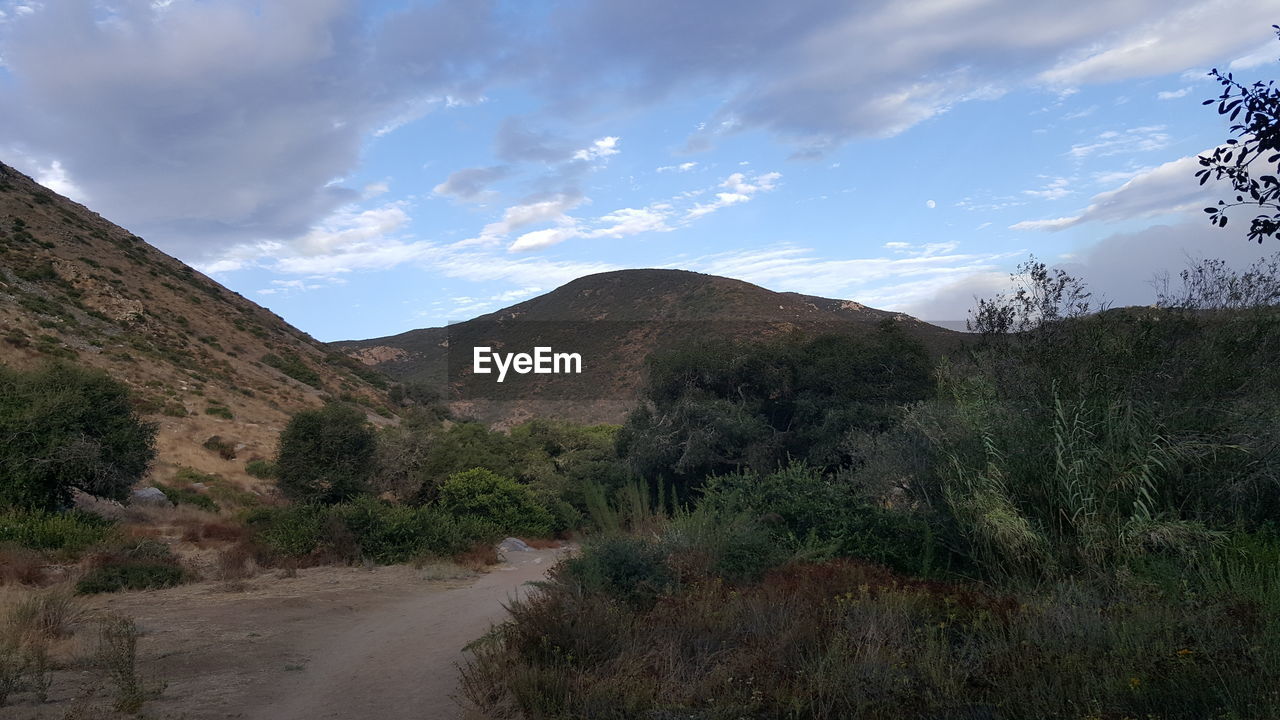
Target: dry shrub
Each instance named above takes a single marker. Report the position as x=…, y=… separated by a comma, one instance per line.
x=20, y=566
x=42, y=615
x=222, y=531
x=479, y=557
x=235, y=563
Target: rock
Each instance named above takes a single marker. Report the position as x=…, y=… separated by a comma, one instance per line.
x=148, y=496
x=514, y=545
x=199, y=486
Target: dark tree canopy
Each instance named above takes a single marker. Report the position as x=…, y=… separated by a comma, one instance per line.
x=726, y=407
x=65, y=428
x=1254, y=111
x=326, y=455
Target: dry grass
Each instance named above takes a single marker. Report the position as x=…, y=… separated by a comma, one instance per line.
x=235, y=563
x=20, y=566
x=480, y=557
x=39, y=615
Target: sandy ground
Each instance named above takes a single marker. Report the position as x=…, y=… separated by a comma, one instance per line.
x=381, y=643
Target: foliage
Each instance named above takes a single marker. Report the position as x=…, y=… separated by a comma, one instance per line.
x=366, y=528
x=294, y=367
x=224, y=448
x=140, y=566
x=1213, y=285
x=261, y=469
x=64, y=428
x=188, y=496
x=496, y=499
x=1041, y=296
x=629, y=568
x=850, y=640
x=71, y=531
x=1257, y=109
x=326, y=455
x=805, y=507
x=722, y=408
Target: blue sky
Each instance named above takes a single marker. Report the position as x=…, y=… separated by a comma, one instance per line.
x=368, y=168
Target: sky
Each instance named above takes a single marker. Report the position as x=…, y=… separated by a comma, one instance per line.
x=367, y=168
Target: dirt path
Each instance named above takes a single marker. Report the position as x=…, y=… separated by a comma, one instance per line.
x=330, y=643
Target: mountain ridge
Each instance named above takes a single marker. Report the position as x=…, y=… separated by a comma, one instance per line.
x=620, y=317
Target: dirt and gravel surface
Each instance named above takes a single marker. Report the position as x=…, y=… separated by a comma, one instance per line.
x=332, y=642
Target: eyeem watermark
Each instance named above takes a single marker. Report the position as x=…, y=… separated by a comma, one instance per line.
x=543, y=361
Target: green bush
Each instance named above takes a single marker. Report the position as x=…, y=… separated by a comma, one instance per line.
x=188, y=496
x=141, y=566
x=261, y=469
x=367, y=528
x=802, y=505
x=496, y=499
x=326, y=455
x=627, y=568
x=71, y=531
x=221, y=411
x=294, y=367
x=130, y=576
x=66, y=428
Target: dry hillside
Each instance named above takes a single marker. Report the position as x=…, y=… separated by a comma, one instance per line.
x=202, y=361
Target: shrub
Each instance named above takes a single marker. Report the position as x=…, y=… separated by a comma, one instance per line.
x=142, y=566
x=67, y=428
x=326, y=455
x=366, y=528
x=224, y=448
x=294, y=367
x=801, y=504
x=500, y=500
x=261, y=469
x=221, y=411
x=631, y=569
x=188, y=496
x=71, y=531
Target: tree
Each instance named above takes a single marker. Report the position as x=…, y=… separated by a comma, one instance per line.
x=65, y=428
x=726, y=407
x=1256, y=107
x=1041, y=297
x=326, y=455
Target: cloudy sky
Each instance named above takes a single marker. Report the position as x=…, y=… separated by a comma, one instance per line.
x=364, y=168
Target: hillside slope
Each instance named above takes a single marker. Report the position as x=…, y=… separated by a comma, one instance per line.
x=202, y=361
x=614, y=320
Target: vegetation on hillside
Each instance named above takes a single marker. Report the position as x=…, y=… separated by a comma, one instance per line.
x=1075, y=519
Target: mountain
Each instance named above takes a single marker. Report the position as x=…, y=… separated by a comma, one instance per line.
x=614, y=320
x=202, y=361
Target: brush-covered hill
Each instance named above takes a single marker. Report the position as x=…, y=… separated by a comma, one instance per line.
x=614, y=320
x=202, y=361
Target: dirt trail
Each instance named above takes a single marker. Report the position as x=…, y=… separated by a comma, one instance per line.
x=331, y=643
x=400, y=660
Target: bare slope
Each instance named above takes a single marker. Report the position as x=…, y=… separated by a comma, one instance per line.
x=75, y=286
x=615, y=320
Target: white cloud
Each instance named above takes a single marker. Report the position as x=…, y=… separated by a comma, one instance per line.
x=1056, y=189
x=1133, y=140
x=1166, y=189
x=1173, y=94
x=1168, y=39
x=738, y=189
x=930, y=204
x=602, y=148
x=682, y=167
x=885, y=282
